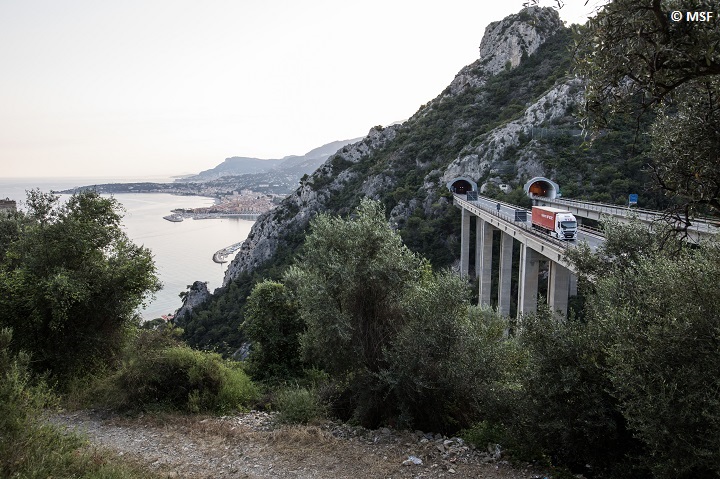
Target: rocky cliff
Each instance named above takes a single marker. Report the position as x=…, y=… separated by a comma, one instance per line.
x=196, y=295
x=296, y=210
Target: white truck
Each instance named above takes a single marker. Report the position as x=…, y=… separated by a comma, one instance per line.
x=558, y=223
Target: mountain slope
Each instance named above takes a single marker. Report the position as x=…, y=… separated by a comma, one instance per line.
x=236, y=165
x=404, y=165
x=505, y=118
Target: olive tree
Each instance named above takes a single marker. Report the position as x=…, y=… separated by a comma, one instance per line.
x=273, y=325
x=71, y=280
x=400, y=339
x=654, y=314
x=647, y=56
x=663, y=361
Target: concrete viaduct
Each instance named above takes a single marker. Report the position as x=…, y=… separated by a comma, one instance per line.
x=512, y=223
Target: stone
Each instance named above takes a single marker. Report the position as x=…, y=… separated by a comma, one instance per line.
x=197, y=294
x=412, y=460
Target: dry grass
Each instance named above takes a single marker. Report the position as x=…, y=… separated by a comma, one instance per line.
x=207, y=444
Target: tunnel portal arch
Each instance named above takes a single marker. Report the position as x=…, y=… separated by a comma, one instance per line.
x=542, y=187
x=461, y=185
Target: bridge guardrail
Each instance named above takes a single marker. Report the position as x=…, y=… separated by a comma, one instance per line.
x=699, y=223
x=524, y=226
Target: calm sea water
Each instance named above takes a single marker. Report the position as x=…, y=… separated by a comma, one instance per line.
x=182, y=251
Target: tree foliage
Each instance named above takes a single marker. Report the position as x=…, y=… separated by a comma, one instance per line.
x=639, y=59
x=663, y=360
x=401, y=340
x=71, y=280
x=654, y=313
x=566, y=409
x=273, y=325
x=350, y=280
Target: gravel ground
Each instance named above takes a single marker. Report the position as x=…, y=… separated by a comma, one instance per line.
x=252, y=446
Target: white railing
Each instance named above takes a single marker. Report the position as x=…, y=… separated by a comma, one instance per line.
x=525, y=226
x=699, y=224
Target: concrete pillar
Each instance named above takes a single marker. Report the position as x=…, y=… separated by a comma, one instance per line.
x=573, y=284
x=465, y=243
x=558, y=287
x=485, y=253
x=528, y=280
x=478, y=245
x=504, y=283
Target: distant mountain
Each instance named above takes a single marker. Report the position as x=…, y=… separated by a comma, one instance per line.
x=236, y=165
x=290, y=165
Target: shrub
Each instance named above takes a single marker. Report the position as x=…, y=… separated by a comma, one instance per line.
x=273, y=324
x=448, y=363
x=178, y=377
x=565, y=409
x=664, y=315
x=70, y=281
x=31, y=448
x=298, y=405
x=400, y=343
x=484, y=433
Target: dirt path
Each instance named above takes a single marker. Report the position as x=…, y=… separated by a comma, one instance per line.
x=250, y=446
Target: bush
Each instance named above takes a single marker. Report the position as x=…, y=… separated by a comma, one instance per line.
x=31, y=448
x=298, y=406
x=483, y=434
x=448, y=363
x=70, y=281
x=565, y=408
x=664, y=317
x=178, y=378
x=273, y=324
x=400, y=343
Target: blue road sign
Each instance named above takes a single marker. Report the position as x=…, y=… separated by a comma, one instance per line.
x=633, y=199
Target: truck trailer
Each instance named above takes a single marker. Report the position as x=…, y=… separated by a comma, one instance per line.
x=560, y=224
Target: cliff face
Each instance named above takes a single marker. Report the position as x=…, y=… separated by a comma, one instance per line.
x=197, y=294
x=490, y=156
x=378, y=166
x=297, y=209
x=506, y=43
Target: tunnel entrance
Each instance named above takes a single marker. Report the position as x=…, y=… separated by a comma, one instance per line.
x=542, y=187
x=461, y=185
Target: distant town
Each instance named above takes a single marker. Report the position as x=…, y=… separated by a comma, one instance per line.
x=244, y=203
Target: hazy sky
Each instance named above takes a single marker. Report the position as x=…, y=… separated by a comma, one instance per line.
x=164, y=87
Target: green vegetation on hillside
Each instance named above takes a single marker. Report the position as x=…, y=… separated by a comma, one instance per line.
x=399, y=343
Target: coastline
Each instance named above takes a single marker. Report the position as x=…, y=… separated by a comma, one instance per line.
x=178, y=217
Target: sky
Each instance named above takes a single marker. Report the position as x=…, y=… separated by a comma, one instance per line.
x=92, y=88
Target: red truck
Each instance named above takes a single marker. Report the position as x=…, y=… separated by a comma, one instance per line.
x=558, y=223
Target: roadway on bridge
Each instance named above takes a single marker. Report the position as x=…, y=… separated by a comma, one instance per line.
x=507, y=211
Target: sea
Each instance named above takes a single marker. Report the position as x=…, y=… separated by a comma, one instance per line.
x=182, y=251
